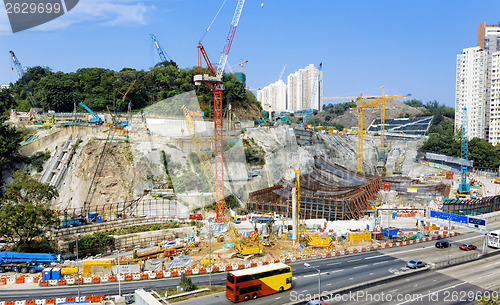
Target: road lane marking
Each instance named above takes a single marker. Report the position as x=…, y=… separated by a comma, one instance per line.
x=370, y=257
x=354, y=260
x=335, y=271
x=333, y=264
x=360, y=266
x=351, y=278
x=421, y=297
x=277, y=298
x=371, y=273
x=380, y=262
x=309, y=275
x=328, y=284
x=304, y=290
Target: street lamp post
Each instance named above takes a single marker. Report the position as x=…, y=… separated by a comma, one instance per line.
x=307, y=265
x=77, y=267
x=210, y=251
x=449, y=226
x=119, y=273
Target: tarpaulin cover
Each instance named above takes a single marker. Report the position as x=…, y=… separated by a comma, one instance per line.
x=177, y=262
x=155, y=264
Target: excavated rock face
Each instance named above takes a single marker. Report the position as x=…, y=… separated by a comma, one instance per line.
x=120, y=173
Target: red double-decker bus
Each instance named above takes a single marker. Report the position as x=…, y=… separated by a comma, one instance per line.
x=255, y=282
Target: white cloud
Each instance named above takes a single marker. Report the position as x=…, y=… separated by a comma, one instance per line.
x=97, y=12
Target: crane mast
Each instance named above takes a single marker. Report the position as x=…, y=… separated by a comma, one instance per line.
x=464, y=187
x=230, y=36
x=212, y=78
x=20, y=72
x=163, y=55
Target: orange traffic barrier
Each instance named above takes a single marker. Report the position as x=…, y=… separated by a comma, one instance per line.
x=48, y=301
x=112, y=278
x=70, y=300
x=3, y=281
x=174, y=273
x=203, y=270
x=188, y=271
x=144, y=276
x=128, y=277
x=10, y=303
x=20, y=280
x=89, y=298
x=265, y=263
x=99, y=298
x=229, y=268
x=215, y=269
x=159, y=274
x=241, y=266
x=61, y=282
x=96, y=280
x=254, y=264
x=36, y=279
x=30, y=302
x=42, y=283
x=288, y=260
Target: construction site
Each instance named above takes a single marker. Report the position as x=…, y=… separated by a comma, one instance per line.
x=297, y=190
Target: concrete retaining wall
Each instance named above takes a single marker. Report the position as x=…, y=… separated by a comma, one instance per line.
x=59, y=134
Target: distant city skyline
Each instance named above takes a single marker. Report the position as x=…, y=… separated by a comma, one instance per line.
x=408, y=47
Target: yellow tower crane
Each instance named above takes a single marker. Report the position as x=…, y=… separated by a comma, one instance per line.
x=379, y=100
x=312, y=240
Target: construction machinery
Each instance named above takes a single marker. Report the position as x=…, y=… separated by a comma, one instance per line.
x=95, y=118
x=213, y=79
x=20, y=71
x=378, y=100
x=239, y=64
x=163, y=55
x=311, y=240
x=243, y=245
x=124, y=95
x=464, y=187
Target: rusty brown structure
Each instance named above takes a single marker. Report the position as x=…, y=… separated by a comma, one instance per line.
x=473, y=206
x=329, y=191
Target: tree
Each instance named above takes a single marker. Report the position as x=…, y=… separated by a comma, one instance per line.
x=9, y=137
x=26, y=189
x=25, y=215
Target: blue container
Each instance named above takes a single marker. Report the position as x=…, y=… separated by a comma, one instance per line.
x=99, y=219
x=56, y=273
x=46, y=274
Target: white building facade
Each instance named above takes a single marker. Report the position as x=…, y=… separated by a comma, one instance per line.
x=494, y=117
x=304, y=90
x=489, y=40
x=471, y=91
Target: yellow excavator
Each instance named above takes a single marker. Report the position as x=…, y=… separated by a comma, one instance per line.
x=311, y=240
x=243, y=245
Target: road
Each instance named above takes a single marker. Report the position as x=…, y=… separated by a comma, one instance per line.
x=462, y=284
x=335, y=273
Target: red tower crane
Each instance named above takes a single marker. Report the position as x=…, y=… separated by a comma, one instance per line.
x=213, y=79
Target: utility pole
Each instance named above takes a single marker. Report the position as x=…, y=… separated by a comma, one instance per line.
x=77, y=267
x=210, y=251
x=119, y=273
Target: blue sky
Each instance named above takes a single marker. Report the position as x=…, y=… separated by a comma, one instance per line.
x=406, y=46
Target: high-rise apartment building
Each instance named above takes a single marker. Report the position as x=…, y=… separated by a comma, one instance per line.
x=471, y=91
x=273, y=97
x=477, y=86
x=494, y=115
x=303, y=91
x=489, y=40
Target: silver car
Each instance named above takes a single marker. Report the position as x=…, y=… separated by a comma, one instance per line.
x=415, y=264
